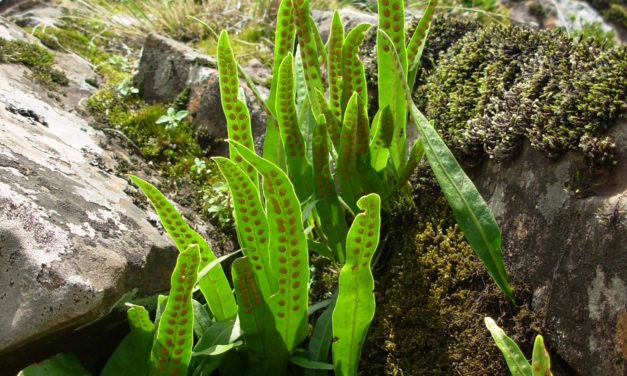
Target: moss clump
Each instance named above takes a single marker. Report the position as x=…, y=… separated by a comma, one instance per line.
x=37, y=58
x=497, y=86
x=443, y=33
x=433, y=294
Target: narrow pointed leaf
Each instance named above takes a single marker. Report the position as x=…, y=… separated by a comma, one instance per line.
x=283, y=44
x=417, y=42
x=251, y=223
x=470, y=209
x=319, y=44
x=347, y=158
x=354, y=309
x=289, y=260
x=214, y=286
x=353, y=76
x=252, y=309
x=515, y=359
x=332, y=218
x=172, y=349
x=334, y=125
x=299, y=168
x=320, y=342
x=390, y=84
x=235, y=110
x=540, y=362
x=334, y=67
x=308, y=51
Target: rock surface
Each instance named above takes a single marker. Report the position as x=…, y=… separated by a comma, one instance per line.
x=564, y=234
x=72, y=242
x=168, y=67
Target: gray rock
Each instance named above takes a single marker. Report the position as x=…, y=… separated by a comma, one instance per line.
x=72, y=242
x=567, y=241
x=350, y=18
x=168, y=67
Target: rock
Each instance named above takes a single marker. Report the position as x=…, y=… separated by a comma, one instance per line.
x=42, y=16
x=572, y=14
x=168, y=67
x=72, y=241
x=564, y=235
x=350, y=18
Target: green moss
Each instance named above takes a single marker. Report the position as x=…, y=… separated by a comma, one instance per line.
x=91, y=40
x=429, y=318
x=38, y=59
x=497, y=86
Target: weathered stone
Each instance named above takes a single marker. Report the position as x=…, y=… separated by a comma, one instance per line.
x=564, y=235
x=72, y=242
x=167, y=68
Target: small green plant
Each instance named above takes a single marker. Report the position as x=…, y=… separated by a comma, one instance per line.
x=125, y=90
x=516, y=361
x=218, y=202
x=199, y=167
x=172, y=118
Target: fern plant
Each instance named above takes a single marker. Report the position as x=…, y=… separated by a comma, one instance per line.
x=516, y=361
x=306, y=133
x=296, y=208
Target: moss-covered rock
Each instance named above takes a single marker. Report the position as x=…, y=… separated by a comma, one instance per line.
x=37, y=58
x=433, y=294
x=497, y=86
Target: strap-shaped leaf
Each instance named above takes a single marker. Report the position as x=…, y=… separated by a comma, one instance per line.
x=362, y=133
x=347, y=159
x=214, y=286
x=251, y=223
x=132, y=354
x=334, y=125
x=308, y=51
x=353, y=76
x=470, y=209
x=283, y=44
x=390, y=84
x=172, y=349
x=235, y=110
x=515, y=359
x=354, y=309
x=289, y=260
x=417, y=42
x=298, y=166
x=540, y=361
x=251, y=308
x=332, y=218
x=382, y=128
x=334, y=67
